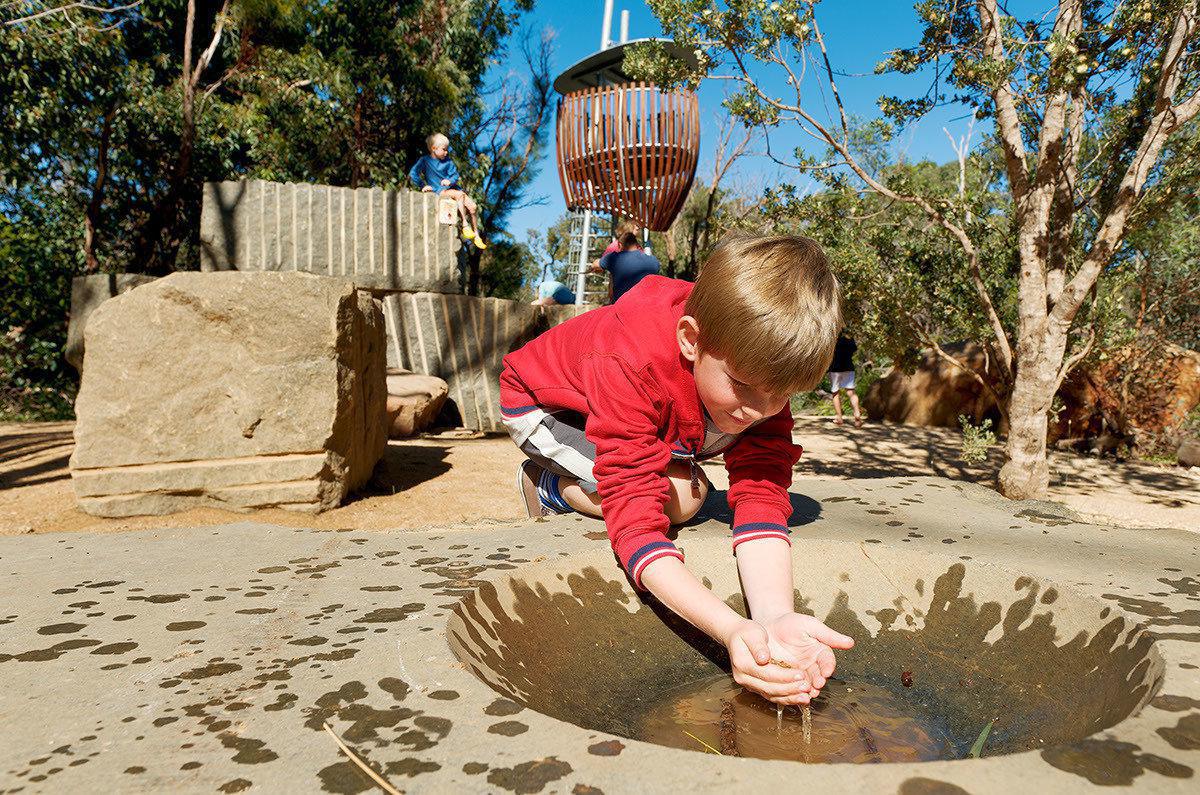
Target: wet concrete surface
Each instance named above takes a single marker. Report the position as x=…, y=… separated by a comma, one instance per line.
x=209, y=660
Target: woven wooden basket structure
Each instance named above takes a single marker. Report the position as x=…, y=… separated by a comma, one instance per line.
x=628, y=149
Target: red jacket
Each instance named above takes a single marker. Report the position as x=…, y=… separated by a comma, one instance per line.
x=620, y=366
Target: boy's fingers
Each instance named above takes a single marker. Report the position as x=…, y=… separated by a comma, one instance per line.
x=835, y=640
x=770, y=690
x=827, y=663
x=773, y=673
x=755, y=639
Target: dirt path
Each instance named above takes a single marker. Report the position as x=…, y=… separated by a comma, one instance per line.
x=449, y=479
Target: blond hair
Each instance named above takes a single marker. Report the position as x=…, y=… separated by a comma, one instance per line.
x=435, y=139
x=771, y=306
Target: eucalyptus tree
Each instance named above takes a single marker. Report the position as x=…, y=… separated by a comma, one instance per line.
x=1045, y=81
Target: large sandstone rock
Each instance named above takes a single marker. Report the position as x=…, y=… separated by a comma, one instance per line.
x=413, y=402
x=233, y=390
x=936, y=393
x=87, y=293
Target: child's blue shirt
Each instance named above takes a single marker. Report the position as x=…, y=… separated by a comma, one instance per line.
x=431, y=171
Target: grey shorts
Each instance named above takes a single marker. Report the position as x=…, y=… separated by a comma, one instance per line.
x=558, y=444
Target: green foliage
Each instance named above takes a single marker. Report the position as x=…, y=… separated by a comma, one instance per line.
x=507, y=268
x=38, y=257
x=340, y=92
x=976, y=441
x=905, y=275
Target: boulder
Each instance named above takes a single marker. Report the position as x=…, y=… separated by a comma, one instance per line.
x=1138, y=401
x=413, y=402
x=1188, y=454
x=936, y=393
x=87, y=293
x=231, y=390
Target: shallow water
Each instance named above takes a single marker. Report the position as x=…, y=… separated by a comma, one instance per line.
x=855, y=721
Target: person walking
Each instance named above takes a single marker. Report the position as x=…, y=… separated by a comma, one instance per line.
x=841, y=377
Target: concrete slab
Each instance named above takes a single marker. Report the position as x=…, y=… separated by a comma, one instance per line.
x=209, y=659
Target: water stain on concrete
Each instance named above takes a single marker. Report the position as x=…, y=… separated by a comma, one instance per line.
x=60, y=629
x=929, y=786
x=508, y=728
x=501, y=707
x=1184, y=735
x=1175, y=703
x=528, y=778
x=1110, y=762
x=606, y=748
x=386, y=615
x=184, y=626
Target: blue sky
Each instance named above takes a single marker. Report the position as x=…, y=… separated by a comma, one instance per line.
x=858, y=35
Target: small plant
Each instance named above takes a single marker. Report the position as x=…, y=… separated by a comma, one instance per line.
x=976, y=441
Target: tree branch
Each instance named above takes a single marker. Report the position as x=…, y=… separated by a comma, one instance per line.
x=1008, y=122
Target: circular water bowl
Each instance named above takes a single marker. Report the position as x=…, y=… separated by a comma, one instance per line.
x=946, y=651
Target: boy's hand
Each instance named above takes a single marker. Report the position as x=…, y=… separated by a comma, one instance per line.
x=750, y=656
x=446, y=182
x=427, y=189
x=807, y=646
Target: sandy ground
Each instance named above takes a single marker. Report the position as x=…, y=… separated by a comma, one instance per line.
x=453, y=479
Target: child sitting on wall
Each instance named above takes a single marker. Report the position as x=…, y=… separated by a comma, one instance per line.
x=615, y=408
x=437, y=172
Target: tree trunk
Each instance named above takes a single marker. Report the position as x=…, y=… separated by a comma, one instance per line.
x=356, y=141
x=166, y=209
x=474, y=256
x=1026, y=474
x=92, y=216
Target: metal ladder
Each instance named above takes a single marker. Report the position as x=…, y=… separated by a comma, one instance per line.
x=587, y=237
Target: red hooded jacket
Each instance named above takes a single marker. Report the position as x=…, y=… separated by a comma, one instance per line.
x=620, y=366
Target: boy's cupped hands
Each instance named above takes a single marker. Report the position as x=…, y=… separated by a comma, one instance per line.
x=787, y=659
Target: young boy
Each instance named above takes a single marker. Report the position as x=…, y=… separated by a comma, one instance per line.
x=615, y=407
x=437, y=172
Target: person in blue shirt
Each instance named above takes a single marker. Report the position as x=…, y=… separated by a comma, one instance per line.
x=551, y=292
x=627, y=266
x=437, y=172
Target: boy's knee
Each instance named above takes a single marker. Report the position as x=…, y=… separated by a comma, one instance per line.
x=686, y=501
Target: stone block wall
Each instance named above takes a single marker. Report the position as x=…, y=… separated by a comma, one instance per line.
x=380, y=240
x=463, y=339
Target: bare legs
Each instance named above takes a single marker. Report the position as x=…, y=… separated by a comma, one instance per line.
x=466, y=208
x=681, y=506
x=837, y=406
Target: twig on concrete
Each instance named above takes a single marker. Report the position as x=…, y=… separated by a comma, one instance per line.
x=378, y=779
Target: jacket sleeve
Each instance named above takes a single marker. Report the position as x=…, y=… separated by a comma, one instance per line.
x=414, y=173
x=452, y=173
x=624, y=412
x=760, y=472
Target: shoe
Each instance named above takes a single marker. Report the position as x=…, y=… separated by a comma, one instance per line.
x=539, y=490
x=838, y=421
x=858, y=421
x=479, y=244
x=468, y=233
